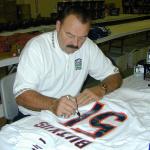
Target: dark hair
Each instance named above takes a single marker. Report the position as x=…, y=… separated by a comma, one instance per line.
x=80, y=12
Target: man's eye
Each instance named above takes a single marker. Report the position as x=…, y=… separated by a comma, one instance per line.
x=70, y=36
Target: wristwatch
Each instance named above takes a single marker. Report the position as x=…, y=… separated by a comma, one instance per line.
x=104, y=87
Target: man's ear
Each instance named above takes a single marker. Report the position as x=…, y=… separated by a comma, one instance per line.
x=58, y=23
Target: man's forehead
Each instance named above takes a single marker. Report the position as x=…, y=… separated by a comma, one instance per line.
x=70, y=17
x=75, y=17
x=75, y=33
x=74, y=21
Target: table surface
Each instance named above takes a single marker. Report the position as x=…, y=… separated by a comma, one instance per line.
x=136, y=82
x=131, y=105
x=121, y=30
x=119, y=18
x=9, y=61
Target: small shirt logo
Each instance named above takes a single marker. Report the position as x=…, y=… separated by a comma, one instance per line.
x=78, y=64
x=116, y=70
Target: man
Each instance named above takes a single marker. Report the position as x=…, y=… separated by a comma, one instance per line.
x=53, y=67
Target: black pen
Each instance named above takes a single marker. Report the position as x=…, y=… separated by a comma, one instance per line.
x=78, y=113
x=77, y=110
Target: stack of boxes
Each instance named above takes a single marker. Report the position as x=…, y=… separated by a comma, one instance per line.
x=14, y=44
x=4, y=44
x=96, y=7
x=8, y=11
x=136, y=6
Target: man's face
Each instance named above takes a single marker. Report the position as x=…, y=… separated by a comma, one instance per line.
x=71, y=33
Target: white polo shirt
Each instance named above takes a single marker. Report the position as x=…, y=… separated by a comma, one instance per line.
x=47, y=69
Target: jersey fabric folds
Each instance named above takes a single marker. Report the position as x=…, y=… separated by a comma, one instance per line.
x=120, y=121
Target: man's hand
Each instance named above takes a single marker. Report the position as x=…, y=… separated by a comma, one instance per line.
x=95, y=93
x=63, y=107
x=35, y=101
x=90, y=95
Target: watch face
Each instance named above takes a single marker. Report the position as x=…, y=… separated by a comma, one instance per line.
x=116, y=70
x=104, y=86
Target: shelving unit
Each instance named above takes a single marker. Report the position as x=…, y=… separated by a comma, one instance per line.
x=136, y=6
x=8, y=11
x=96, y=7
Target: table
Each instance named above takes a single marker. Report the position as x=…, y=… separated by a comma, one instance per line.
x=41, y=28
x=123, y=30
x=107, y=19
x=9, y=61
x=117, y=31
x=136, y=82
x=119, y=121
x=121, y=18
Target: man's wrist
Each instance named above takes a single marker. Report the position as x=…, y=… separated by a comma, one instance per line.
x=53, y=106
x=103, y=87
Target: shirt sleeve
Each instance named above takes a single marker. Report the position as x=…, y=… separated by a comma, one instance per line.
x=29, y=68
x=100, y=65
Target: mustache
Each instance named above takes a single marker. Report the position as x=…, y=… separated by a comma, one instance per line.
x=72, y=46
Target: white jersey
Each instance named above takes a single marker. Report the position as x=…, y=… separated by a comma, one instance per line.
x=110, y=124
x=44, y=67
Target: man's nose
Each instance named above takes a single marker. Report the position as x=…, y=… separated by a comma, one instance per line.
x=75, y=41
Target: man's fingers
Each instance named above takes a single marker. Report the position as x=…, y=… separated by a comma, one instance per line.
x=66, y=107
x=86, y=97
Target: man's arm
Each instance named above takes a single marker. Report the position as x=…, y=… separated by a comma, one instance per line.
x=112, y=82
x=108, y=85
x=35, y=101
